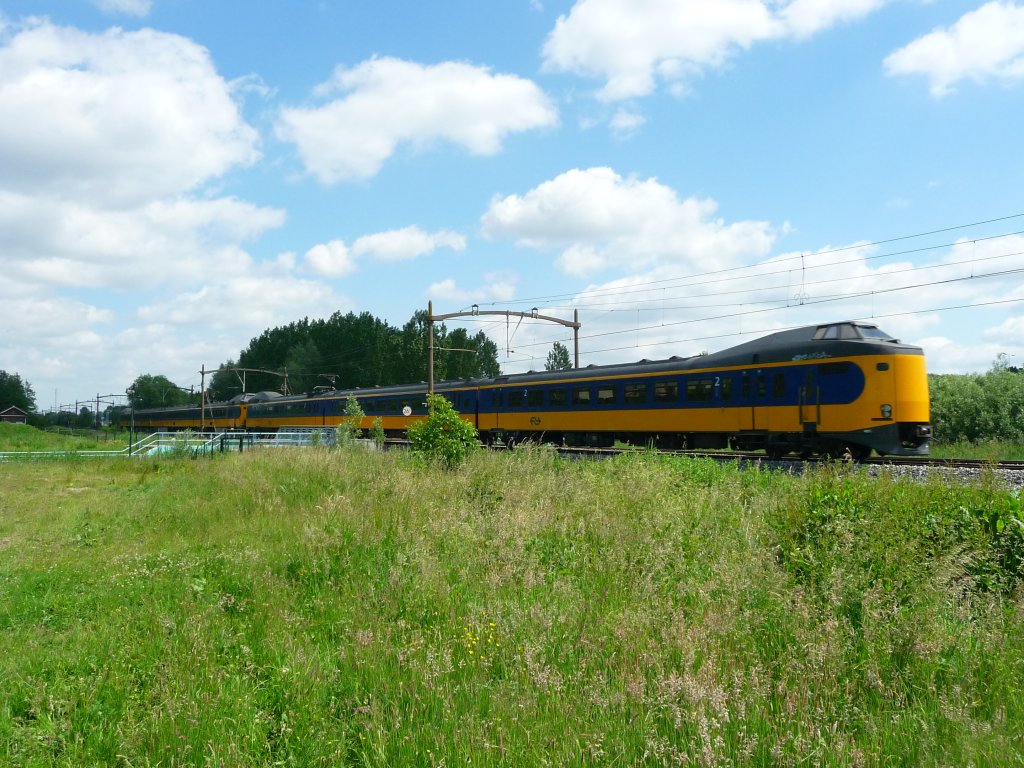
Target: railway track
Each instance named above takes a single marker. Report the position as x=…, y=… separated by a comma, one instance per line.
x=759, y=456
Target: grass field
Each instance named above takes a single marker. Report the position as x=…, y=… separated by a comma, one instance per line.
x=21, y=437
x=317, y=607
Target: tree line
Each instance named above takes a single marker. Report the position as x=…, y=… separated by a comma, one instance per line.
x=977, y=407
x=346, y=351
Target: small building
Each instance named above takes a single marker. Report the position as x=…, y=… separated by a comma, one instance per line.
x=13, y=415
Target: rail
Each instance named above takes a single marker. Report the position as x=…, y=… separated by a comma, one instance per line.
x=192, y=444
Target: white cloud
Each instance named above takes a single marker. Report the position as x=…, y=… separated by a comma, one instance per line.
x=406, y=243
x=497, y=287
x=1010, y=331
x=633, y=44
x=50, y=319
x=985, y=44
x=802, y=18
x=331, y=259
x=603, y=220
x=54, y=241
x=245, y=301
x=582, y=261
x=945, y=355
x=130, y=7
x=336, y=259
x=448, y=290
x=625, y=122
x=106, y=143
x=118, y=118
x=386, y=102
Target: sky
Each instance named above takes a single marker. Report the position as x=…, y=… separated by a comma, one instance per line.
x=177, y=176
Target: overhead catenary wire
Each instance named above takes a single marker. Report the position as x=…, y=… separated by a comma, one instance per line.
x=824, y=252
x=843, y=297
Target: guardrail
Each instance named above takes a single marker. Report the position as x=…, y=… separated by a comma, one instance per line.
x=194, y=444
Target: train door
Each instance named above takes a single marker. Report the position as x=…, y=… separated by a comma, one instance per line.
x=809, y=401
x=746, y=401
x=759, y=416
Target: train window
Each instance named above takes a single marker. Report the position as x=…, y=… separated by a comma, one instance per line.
x=745, y=388
x=761, y=391
x=393, y=405
x=606, y=395
x=516, y=399
x=873, y=332
x=700, y=390
x=535, y=398
x=832, y=369
x=498, y=399
x=581, y=396
x=725, y=389
x=556, y=397
x=779, y=385
x=837, y=331
x=666, y=391
x=635, y=394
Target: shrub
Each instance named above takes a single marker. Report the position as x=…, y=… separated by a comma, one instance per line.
x=377, y=431
x=978, y=407
x=443, y=436
x=348, y=429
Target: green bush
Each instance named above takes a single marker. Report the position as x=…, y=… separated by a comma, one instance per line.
x=974, y=407
x=443, y=436
x=348, y=430
x=377, y=433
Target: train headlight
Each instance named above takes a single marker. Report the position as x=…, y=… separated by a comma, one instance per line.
x=886, y=411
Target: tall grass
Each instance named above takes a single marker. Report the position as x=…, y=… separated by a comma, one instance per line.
x=984, y=450
x=23, y=437
x=346, y=608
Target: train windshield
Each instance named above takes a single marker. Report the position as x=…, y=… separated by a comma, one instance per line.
x=851, y=331
x=874, y=332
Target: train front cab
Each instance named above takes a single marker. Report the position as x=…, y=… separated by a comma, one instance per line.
x=889, y=414
x=845, y=394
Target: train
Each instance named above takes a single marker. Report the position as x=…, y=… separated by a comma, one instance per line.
x=836, y=389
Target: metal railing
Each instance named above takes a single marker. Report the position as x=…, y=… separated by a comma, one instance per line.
x=194, y=444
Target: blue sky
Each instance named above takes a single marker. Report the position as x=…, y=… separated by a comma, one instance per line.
x=176, y=175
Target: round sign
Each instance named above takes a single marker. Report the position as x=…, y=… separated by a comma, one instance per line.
x=407, y=411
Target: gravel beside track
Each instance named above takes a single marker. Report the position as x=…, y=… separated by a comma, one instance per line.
x=1009, y=475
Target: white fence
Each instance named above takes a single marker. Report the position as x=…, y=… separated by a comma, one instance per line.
x=195, y=444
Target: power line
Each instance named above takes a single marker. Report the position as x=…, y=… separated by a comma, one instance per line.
x=844, y=297
x=632, y=305
x=734, y=334
x=640, y=286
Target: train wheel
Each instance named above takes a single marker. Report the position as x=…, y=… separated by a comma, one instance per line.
x=858, y=453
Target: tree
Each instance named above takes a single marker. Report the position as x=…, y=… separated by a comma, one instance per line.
x=558, y=358
x=224, y=384
x=975, y=407
x=148, y=391
x=86, y=419
x=443, y=436
x=16, y=391
x=349, y=350
x=303, y=364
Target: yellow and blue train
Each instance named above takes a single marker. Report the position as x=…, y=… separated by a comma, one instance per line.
x=833, y=389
